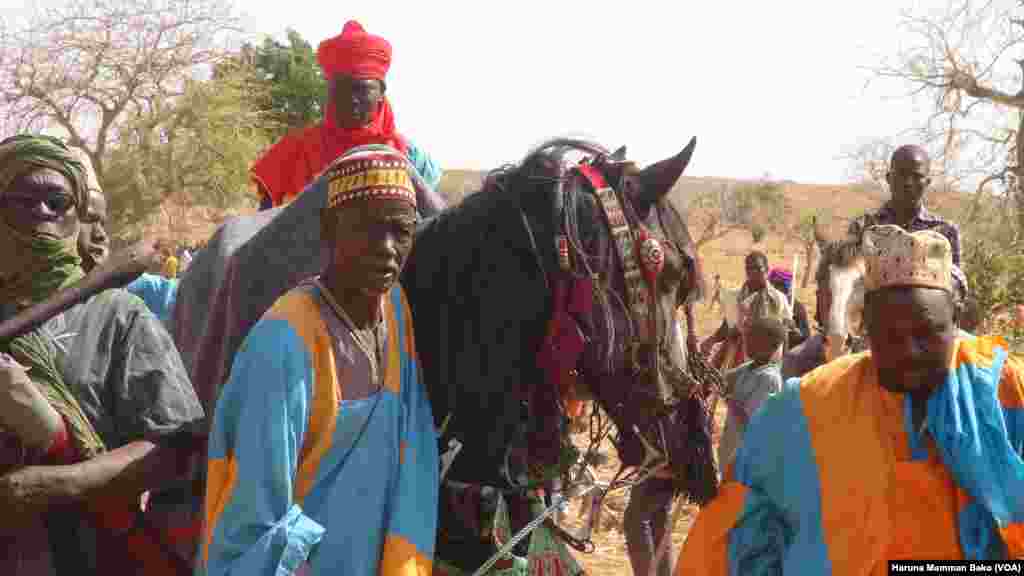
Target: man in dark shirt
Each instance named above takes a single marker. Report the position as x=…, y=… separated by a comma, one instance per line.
x=128, y=408
x=909, y=179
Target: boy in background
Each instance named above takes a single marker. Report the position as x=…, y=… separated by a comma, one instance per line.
x=751, y=383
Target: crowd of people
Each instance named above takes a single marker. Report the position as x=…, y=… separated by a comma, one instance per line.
x=912, y=449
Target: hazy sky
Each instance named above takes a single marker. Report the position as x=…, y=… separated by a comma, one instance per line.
x=767, y=87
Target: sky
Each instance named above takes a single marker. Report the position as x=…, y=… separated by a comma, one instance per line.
x=772, y=88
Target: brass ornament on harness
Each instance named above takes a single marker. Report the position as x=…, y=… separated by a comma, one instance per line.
x=643, y=259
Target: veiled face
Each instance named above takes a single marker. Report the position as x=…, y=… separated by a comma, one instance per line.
x=41, y=201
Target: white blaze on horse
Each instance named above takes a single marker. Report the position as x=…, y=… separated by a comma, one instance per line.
x=844, y=328
x=840, y=307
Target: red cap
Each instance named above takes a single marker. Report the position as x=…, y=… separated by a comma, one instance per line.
x=355, y=53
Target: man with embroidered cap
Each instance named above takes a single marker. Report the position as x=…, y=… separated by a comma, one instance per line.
x=323, y=455
x=118, y=409
x=910, y=450
x=357, y=112
x=909, y=177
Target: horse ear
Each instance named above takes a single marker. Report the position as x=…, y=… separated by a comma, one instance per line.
x=658, y=179
x=619, y=155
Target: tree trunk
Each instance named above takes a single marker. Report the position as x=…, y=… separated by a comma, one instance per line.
x=1018, y=191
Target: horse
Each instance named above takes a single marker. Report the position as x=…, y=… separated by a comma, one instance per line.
x=552, y=275
x=840, y=279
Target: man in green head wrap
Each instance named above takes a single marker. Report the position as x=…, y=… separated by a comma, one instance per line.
x=107, y=367
x=42, y=190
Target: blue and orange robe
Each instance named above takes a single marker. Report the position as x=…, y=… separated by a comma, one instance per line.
x=831, y=478
x=312, y=469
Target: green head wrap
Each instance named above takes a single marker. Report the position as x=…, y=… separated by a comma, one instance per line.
x=33, y=266
x=24, y=152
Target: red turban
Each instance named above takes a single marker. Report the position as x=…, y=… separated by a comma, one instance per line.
x=355, y=53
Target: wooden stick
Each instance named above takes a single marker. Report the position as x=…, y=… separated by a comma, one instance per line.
x=119, y=270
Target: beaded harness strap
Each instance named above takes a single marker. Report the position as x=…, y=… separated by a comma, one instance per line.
x=642, y=255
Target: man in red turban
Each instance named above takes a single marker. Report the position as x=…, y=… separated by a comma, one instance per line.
x=355, y=64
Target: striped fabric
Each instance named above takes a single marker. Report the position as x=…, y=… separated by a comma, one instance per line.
x=302, y=479
x=831, y=479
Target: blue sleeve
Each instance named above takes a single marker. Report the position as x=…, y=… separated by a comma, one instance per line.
x=254, y=527
x=157, y=292
x=427, y=167
x=141, y=286
x=759, y=540
x=779, y=531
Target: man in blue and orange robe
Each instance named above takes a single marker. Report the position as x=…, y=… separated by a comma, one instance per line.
x=357, y=113
x=323, y=456
x=910, y=451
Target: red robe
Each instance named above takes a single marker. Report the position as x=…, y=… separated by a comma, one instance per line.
x=300, y=156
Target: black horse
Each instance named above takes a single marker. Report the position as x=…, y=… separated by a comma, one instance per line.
x=481, y=281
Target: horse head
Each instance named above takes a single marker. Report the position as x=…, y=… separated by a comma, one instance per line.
x=842, y=271
x=620, y=241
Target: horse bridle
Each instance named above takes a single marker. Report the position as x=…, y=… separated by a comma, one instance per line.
x=642, y=257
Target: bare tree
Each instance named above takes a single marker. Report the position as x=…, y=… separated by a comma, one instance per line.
x=89, y=65
x=197, y=151
x=729, y=207
x=713, y=210
x=868, y=163
x=960, y=61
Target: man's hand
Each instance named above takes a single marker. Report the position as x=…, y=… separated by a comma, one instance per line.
x=30, y=491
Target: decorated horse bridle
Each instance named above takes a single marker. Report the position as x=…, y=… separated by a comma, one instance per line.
x=575, y=287
x=642, y=257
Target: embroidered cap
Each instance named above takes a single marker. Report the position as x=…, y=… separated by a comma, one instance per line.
x=370, y=175
x=895, y=257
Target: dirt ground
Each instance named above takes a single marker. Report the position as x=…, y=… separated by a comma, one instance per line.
x=609, y=557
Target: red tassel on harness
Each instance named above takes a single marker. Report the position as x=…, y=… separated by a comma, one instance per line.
x=564, y=342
